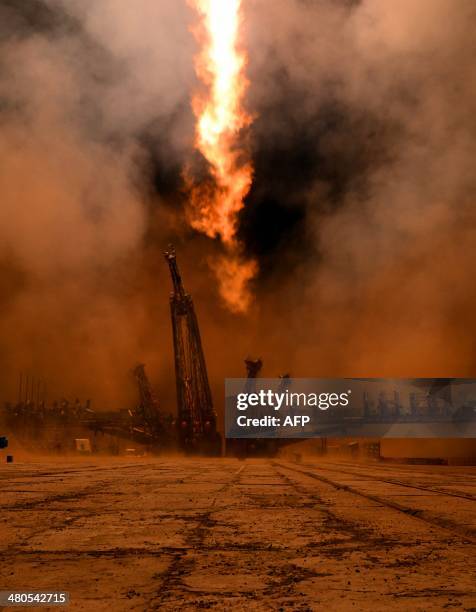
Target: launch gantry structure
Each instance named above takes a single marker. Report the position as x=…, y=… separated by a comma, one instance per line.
x=197, y=421
x=148, y=411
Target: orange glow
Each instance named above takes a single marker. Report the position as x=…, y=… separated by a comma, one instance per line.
x=234, y=274
x=221, y=119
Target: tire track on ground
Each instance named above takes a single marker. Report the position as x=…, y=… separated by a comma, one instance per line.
x=442, y=524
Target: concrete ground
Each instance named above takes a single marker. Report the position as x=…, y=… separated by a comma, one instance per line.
x=173, y=534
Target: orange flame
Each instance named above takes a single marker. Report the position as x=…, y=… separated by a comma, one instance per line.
x=220, y=120
x=234, y=274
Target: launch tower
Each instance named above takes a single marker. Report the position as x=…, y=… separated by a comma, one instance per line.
x=197, y=427
x=148, y=411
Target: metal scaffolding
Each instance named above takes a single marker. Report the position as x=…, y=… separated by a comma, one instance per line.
x=197, y=422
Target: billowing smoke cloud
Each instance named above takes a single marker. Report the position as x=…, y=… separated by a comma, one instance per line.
x=360, y=215
x=74, y=210
x=364, y=157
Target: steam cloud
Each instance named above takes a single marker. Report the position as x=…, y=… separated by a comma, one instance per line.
x=361, y=212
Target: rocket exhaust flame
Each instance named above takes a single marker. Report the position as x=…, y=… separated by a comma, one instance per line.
x=221, y=119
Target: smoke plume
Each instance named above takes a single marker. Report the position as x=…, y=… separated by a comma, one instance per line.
x=360, y=215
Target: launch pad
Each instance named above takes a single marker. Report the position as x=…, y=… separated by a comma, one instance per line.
x=193, y=430
x=165, y=534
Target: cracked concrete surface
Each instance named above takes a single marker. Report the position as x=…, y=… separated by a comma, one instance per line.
x=192, y=534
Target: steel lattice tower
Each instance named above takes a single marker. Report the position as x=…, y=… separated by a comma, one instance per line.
x=148, y=409
x=196, y=416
